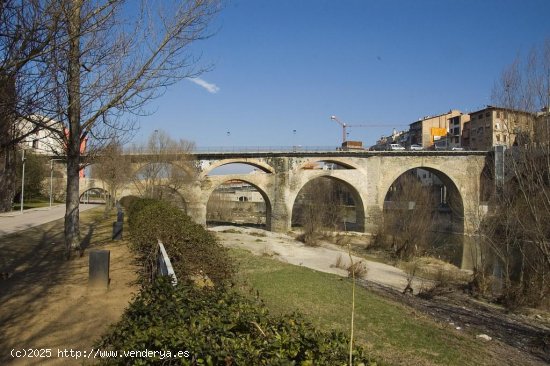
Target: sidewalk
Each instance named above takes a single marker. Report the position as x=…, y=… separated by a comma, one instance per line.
x=11, y=222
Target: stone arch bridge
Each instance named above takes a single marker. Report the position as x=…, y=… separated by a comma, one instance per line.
x=368, y=174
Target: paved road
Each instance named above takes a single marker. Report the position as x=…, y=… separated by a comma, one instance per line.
x=11, y=222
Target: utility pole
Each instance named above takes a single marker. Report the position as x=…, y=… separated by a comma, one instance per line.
x=23, y=180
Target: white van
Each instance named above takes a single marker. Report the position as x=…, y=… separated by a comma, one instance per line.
x=396, y=147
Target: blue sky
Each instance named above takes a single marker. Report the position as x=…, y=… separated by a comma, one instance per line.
x=280, y=66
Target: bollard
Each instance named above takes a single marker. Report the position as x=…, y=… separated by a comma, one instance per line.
x=98, y=275
x=117, y=230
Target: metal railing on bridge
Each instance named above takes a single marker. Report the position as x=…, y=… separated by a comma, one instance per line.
x=261, y=149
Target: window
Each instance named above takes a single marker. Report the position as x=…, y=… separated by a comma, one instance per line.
x=499, y=114
x=488, y=114
x=498, y=138
x=497, y=126
x=504, y=138
x=35, y=144
x=480, y=116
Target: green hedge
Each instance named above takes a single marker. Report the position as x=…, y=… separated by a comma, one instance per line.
x=192, y=249
x=219, y=327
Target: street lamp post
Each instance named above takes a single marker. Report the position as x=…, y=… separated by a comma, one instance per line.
x=23, y=180
x=51, y=180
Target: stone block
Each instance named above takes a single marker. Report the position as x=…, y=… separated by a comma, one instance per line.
x=99, y=262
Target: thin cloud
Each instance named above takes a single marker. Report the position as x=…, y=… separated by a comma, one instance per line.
x=211, y=88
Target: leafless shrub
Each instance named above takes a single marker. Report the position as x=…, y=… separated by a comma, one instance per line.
x=357, y=270
x=441, y=285
x=339, y=262
x=410, y=273
x=320, y=208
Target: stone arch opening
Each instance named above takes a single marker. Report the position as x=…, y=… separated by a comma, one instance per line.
x=232, y=166
x=328, y=164
x=94, y=195
x=171, y=195
x=329, y=202
x=239, y=202
x=423, y=213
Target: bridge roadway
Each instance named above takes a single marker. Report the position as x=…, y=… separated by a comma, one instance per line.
x=368, y=174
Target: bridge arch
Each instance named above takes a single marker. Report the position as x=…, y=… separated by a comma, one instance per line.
x=427, y=206
x=262, y=191
x=94, y=195
x=445, y=176
x=357, y=196
x=207, y=166
x=344, y=163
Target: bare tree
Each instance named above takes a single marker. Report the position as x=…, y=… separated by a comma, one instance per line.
x=407, y=222
x=517, y=231
x=169, y=164
x=113, y=168
x=320, y=206
x=27, y=30
x=107, y=60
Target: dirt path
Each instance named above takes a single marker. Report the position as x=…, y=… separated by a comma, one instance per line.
x=522, y=340
x=46, y=303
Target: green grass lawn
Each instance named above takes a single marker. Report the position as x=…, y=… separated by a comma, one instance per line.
x=393, y=333
x=34, y=203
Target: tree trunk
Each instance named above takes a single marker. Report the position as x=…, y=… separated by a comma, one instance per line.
x=8, y=163
x=7, y=179
x=72, y=231
x=72, y=222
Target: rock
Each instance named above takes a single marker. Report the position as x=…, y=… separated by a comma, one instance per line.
x=485, y=337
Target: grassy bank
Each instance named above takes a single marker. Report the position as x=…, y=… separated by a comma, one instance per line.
x=393, y=333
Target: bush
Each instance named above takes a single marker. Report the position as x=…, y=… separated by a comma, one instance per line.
x=192, y=249
x=127, y=201
x=357, y=270
x=219, y=327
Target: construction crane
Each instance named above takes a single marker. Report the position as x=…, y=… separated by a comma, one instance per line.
x=345, y=126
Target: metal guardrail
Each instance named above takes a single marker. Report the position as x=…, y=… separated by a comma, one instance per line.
x=164, y=266
x=263, y=149
x=298, y=150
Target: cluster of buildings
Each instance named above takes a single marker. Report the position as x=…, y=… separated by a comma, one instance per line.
x=480, y=130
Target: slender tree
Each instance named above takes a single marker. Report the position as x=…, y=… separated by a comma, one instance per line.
x=169, y=164
x=114, y=169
